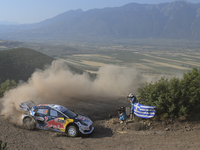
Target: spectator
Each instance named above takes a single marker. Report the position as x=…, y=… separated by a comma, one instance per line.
x=122, y=114
x=132, y=100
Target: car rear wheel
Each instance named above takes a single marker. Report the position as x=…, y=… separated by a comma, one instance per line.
x=72, y=131
x=28, y=123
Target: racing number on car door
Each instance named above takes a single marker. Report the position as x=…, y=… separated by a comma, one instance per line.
x=55, y=121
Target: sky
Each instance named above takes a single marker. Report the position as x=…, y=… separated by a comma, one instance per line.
x=34, y=11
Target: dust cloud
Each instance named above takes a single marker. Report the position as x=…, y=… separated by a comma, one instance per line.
x=57, y=84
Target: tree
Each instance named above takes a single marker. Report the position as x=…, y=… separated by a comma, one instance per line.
x=7, y=85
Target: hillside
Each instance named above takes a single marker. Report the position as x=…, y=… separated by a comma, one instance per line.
x=175, y=20
x=20, y=63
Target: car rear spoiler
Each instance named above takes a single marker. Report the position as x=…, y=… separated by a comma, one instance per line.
x=26, y=106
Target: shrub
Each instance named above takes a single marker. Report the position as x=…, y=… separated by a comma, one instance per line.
x=2, y=146
x=7, y=85
x=175, y=97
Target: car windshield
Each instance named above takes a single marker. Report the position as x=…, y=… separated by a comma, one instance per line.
x=70, y=114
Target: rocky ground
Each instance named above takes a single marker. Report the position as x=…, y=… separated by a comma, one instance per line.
x=108, y=134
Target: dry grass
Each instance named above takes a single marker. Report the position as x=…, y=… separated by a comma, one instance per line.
x=171, y=60
x=68, y=61
x=84, y=62
x=188, y=59
x=138, y=65
x=165, y=64
x=154, y=61
x=93, y=63
x=98, y=57
x=191, y=56
x=91, y=55
x=112, y=121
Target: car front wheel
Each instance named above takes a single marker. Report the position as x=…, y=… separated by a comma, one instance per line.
x=72, y=131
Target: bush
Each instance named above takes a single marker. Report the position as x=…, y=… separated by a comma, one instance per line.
x=175, y=97
x=7, y=85
x=2, y=146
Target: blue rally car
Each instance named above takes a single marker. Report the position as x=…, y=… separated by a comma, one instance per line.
x=55, y=117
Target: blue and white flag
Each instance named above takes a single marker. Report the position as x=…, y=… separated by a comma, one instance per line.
x=144, y=111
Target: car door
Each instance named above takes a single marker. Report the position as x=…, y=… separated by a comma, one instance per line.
x=40, y=115
x=55, y=121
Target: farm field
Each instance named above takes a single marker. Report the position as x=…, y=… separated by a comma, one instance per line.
x=151, y=63
x=152, y=57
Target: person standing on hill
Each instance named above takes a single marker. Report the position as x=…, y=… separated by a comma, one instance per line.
x=132, y=100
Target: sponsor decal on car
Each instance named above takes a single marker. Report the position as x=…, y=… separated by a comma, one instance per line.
x=39, y=118
x=57, y=118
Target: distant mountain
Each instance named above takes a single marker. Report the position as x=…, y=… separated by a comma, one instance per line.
x=8, y=23
x=175, y=20
x=16, y=29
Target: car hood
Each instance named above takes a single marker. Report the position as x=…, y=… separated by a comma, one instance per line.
x=83, y=119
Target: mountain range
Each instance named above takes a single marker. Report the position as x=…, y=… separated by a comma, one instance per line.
x=175, y=20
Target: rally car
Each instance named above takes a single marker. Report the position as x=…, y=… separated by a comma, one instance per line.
x=55, y=117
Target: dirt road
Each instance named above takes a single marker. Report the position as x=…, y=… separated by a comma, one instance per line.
x=108, y=134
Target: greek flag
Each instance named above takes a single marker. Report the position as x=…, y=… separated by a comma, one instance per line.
x=144, y=111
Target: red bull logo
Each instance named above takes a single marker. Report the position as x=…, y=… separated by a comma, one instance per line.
x=55, y=123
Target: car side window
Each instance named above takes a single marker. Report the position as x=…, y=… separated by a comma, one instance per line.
x=42, y=111
x=53, y=113
x=60, y=115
